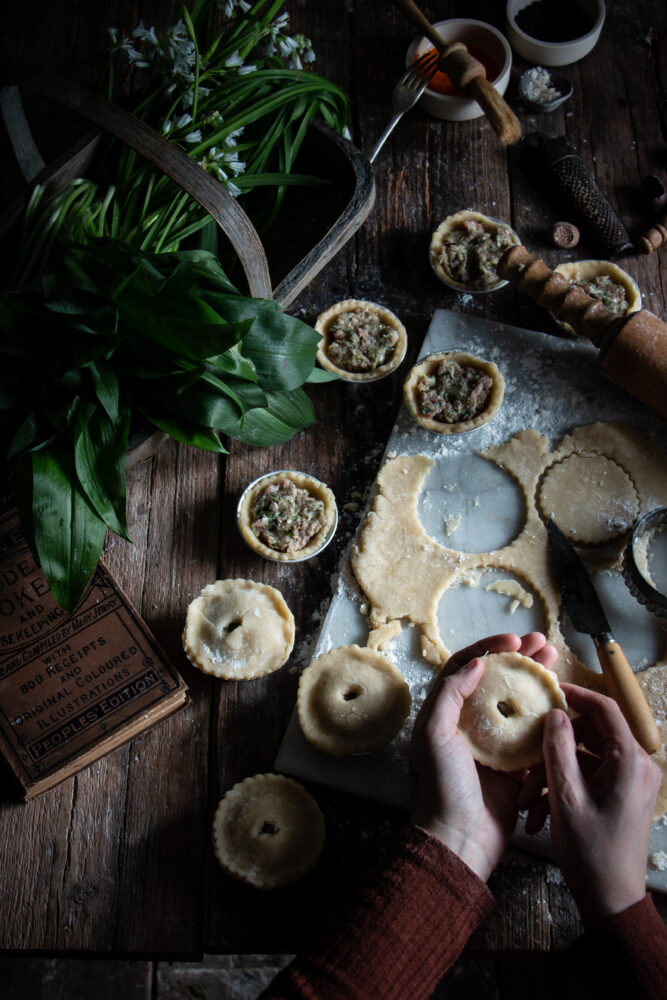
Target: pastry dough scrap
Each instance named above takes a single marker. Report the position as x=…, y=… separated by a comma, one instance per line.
x=503, y=719
x=268, y=831
x=238, y=630
x=590, y=497
x=352, y=700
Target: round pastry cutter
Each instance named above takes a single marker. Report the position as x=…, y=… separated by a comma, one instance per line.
x=645, y=561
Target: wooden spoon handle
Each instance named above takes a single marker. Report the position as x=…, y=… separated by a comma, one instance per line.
x=625, y=690
x=467, y=73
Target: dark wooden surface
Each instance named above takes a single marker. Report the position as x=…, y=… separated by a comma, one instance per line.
x=118, y=860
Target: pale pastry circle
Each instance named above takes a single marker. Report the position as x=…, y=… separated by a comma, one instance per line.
x=503, y=719
x=268, y=831
x=444, y=231
x=590, y=497
x=352, y=700
x=426, y=366
x=584, y=270
x=324, y=321
x=238, y=630
x=302, y=481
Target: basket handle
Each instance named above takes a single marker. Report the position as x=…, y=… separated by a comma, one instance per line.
x=210, y=194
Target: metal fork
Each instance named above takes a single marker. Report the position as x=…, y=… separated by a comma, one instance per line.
x=407, y=92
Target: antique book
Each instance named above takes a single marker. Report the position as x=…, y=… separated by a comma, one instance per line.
x=72, y=686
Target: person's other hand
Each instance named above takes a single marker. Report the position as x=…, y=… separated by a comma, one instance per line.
x=470, y=808
x=601, y=801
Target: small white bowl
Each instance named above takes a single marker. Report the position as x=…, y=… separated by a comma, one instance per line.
x=482, y=37
x=553, y=53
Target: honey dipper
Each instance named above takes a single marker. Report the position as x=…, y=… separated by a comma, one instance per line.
x=633, y=348
x=468, y=74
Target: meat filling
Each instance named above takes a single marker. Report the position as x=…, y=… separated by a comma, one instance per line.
x=359, y=341
x=610, y=293
x=453, y=393
x=285, y=516
x=470, y=253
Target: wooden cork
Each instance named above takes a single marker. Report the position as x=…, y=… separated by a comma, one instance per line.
x=633, y=348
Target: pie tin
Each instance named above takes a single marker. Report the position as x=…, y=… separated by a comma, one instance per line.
x=639, y=586
x=459, y=286
x=283, y=557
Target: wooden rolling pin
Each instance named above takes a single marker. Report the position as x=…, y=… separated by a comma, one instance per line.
x=633, y=348
x=468, y=74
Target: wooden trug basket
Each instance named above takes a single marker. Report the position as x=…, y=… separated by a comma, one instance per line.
x=331, y=156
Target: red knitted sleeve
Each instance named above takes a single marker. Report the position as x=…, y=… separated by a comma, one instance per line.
x=405, y=929
x=624, y=956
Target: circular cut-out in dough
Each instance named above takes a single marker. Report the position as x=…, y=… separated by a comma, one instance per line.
x=578, y=271
x=268, y=831
x=245, y=515
x=360, y=308
x=238, y=630
x=503, y=718
x=427, y=367
x=450, y=231
x=590, y=497
x=352, y=700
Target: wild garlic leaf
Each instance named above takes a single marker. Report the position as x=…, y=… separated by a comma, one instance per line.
x=182, y=430
x=284, y=414
x=100, y=449
x=68, y=533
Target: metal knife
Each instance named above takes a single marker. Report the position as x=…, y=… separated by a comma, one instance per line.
x=586, y=614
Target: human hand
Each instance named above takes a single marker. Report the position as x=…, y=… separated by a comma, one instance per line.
x=470, y=808
x=601, y=801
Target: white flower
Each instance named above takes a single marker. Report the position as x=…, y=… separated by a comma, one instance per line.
x=193, y=137
x=234, y=61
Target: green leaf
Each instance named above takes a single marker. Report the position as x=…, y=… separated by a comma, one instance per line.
x=281, y=348
x=100, y=446
x=68, y=533
x=285, y=414
x=319, y=375
x=107, y=388
x=183, y=431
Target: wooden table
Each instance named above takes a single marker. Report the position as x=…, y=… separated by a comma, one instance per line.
x=118, y=860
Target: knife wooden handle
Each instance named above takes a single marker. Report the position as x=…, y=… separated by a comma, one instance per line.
x=625, y=690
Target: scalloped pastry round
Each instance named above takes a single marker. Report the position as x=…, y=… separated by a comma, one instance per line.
x=352, y=700
x=427, y=365
x=446, y=232
x=503, y=719
x=317, y=489
x=268, y=831
x=591, y=498
x=359, y=306
x=238, y=630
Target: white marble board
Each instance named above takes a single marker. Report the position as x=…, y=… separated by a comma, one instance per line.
x=552, y=384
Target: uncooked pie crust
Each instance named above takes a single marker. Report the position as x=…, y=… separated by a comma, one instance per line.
x=426, y=366
x=268, y=831
x=324, y=321
x=352, y=700
x=394, y=546
x=453, y=222
x=584, y=270
x=238, y=630
x=316, y=489
x=503, y=719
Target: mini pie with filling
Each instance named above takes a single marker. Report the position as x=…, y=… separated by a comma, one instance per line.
x=287, y=515
x=361, y=341
x=503, y=719
x=351, y=700
x=603, y=280
x=238, y=630
x=465, y=250
x=268, y=831
x=452, y=391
